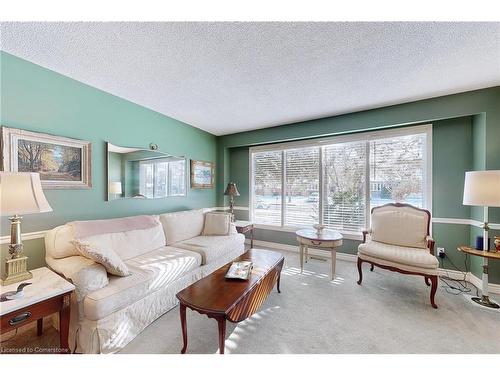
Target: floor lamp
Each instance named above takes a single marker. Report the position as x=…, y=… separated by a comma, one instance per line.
x=482, y=188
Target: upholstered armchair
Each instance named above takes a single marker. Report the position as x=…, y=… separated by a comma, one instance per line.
x=399, y=241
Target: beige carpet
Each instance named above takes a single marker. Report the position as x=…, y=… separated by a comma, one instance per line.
x=389, y=313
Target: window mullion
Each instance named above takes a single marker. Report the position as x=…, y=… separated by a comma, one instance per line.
x=367, y=186
x=320, y=187
x=283, y=187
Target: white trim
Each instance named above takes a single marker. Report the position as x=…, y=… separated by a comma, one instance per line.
x=472, y=222
x=453, y=274
x=360, y=136
x=24, y=236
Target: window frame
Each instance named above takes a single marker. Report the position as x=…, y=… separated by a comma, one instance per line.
x=154, y=163
x=343, y=138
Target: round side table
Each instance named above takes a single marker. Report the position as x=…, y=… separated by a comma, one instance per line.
x=485, y=299
x=327, y=240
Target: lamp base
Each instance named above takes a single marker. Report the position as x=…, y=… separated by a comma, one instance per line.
x=485, y=301
x=16, y=270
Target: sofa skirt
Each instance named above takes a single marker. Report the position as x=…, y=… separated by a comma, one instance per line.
x=115, y=331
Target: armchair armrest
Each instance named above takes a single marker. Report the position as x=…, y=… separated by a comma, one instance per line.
x=430, y=244
x=365, y=233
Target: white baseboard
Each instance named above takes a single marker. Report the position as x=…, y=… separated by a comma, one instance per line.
x=453, y=274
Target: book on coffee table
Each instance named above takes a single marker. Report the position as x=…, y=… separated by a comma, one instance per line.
x=239, y=270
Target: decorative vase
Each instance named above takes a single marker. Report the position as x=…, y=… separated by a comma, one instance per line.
x=497, y=243
x=319, y=228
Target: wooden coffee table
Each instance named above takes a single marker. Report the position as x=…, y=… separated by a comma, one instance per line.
x=229, y=299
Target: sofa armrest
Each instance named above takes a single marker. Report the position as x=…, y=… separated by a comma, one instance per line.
x=365, y=233
x=84, y=273
x=430, y=244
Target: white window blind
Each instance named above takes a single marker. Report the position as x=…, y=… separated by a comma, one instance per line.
x=177, y=177
x=344, y=205
x=267, y=185
x=302, y=186
x=159, y=178
x=336, y=181
x=397, y=170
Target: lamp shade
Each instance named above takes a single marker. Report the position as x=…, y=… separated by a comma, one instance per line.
x=21, y=193
x=482, y=188
x=231, y=189
x=115, y=187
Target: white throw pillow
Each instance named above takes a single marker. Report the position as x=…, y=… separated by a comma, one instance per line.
x=105, y=256
x=217, y=224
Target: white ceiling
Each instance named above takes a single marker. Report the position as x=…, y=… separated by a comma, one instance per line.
x=231, y=77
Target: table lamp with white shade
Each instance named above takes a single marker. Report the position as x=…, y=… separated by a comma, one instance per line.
x=482, y=188
x=20, y=193
x=115, y=187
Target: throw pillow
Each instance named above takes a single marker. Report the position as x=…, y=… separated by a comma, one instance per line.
x=105, y=256
x=217, y=224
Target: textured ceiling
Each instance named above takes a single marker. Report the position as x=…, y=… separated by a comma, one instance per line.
x=230, y=77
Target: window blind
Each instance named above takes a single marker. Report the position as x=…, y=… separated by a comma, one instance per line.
x=397, y=170
x=302, y=186
x=267, y=186
x=344, y=202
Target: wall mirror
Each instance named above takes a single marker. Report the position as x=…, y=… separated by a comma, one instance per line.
x=144, y=174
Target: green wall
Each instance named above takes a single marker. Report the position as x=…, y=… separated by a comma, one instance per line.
x=37, y=99
x=465, y=136
x=466, y=132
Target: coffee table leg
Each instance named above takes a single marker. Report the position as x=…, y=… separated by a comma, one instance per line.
x=222, y=333
x=64, y=316
x=278, y=282
x=182, y=310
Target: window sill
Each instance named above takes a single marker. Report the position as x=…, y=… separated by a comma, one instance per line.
x=347, y=235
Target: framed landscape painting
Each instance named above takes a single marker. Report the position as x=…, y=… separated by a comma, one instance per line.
x=202, y=174
x=63, y=163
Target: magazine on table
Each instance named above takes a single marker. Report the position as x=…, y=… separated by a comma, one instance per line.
x=240, y=270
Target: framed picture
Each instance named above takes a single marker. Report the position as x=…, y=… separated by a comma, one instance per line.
x=63, y=163
x=202, y=174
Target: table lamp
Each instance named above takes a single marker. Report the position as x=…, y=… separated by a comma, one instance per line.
x=482, y=188
x=115, y=187
x=232, y=191
x=20, y=193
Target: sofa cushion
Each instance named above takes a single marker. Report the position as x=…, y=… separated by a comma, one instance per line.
x=399, y=255
x=217, y=224
x=104, y=256
x=213, y=247
x=182, y=225
x=132, y=243
x=148, y=273
x=400, y=227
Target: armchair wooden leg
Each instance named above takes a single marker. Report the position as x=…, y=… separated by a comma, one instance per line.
x=360, y=271
x=427, y=281
x=372, y=267
x=434, y=281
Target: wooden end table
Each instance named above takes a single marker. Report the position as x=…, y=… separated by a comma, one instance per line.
x=485, y=299
x=327, y=240
x=232, y=299
x=245, y=227
x=48, y=293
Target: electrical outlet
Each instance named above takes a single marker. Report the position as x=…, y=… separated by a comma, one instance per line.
x=441, y=252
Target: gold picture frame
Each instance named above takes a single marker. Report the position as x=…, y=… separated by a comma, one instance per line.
x=202, y=174
x=63, y=163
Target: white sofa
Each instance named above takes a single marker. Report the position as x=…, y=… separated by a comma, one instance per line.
x=109, y=311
